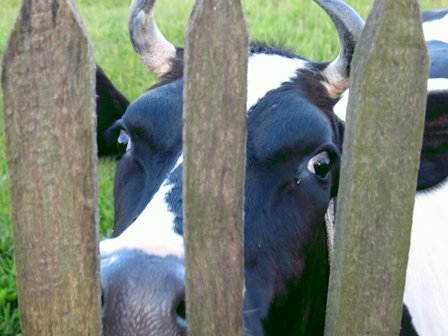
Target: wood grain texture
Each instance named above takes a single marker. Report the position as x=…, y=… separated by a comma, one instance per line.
x=214, y=164
x=48, y=81
x=379, y=172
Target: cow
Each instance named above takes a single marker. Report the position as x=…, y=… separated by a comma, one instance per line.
x=294, y=149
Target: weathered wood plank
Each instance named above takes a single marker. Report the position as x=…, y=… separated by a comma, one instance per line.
x=379, y=172
x=214, y=157
x=48, y=89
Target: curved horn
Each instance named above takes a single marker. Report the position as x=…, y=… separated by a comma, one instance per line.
x=149, y=43
x=349, y=26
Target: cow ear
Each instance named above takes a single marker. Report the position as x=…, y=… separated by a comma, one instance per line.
x=110, y=106
x=434, y=156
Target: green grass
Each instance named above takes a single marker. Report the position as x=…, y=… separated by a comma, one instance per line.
x=298, y=25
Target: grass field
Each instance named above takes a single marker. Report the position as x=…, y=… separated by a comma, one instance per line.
x=299, y=25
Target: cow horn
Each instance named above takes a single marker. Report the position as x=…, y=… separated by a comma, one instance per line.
x=149, y=43
x=349, y=26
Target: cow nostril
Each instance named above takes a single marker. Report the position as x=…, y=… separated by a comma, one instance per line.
x=181, y=312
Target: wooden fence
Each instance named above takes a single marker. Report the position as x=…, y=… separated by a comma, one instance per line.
x=52, y=169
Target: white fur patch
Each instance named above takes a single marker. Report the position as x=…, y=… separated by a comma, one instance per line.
x=437, y=84
x=436, y=30
x=152, y=232
x=341, y=107
x=426, y=291
x=268, y=72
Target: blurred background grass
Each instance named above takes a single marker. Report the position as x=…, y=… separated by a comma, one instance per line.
x=298, y=25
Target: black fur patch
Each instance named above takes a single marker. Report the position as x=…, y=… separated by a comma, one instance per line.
x=434, y=156
x=407, y=328
x=259, y=47
x=439, y=59
x=433, y=15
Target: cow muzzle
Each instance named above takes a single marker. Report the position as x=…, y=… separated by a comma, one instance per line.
x=142, y=294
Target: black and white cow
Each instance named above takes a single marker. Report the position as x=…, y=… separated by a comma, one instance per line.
x=293, y=153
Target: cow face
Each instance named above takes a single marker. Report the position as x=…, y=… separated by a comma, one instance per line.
x=292, y=161
x=293, y=152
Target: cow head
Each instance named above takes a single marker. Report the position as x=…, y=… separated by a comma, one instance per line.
x=293, y=153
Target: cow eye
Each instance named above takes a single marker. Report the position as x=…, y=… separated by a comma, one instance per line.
x=123, y=142
x=320, y=165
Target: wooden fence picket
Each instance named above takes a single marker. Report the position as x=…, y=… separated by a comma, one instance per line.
x=48, y=77
x=379, y=172
x=214, y=156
